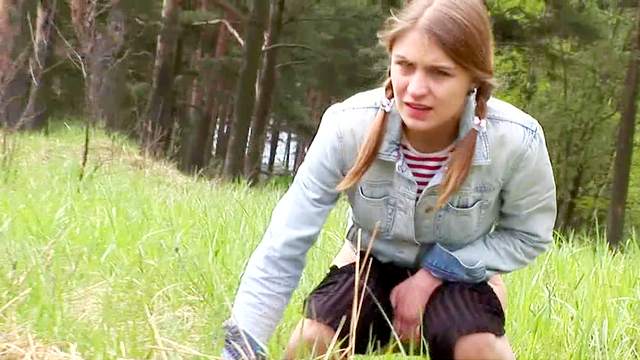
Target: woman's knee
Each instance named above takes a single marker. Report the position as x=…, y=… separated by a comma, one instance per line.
x=309, y=336
x=312, y=330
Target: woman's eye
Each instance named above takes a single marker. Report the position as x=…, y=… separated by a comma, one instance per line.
x=442, y=73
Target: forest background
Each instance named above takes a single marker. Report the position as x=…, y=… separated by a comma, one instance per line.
x=236, y=88
x=232, y=90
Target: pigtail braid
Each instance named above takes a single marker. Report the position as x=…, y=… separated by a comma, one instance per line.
x=370, y=147
x=462, y=156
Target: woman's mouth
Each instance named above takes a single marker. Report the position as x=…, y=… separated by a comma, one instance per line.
x=417, y=110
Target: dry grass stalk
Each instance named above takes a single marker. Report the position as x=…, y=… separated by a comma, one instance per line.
x=156, y=334
x=334, y=343
x=85, y=304
x=174, y=347
x=19, y=344
x=358, y=296
x=14, y=300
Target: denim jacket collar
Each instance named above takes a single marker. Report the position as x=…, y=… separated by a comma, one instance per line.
x=390, y=147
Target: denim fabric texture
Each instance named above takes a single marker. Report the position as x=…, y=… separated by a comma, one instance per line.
x=239, y=345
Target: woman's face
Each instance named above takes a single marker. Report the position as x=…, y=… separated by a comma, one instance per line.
x=430, y=89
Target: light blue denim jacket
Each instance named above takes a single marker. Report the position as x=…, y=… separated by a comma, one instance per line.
x=500, y=219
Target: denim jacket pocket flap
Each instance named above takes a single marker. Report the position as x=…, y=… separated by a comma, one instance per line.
x=461, y=220
x=375, y=190
x=466, y=205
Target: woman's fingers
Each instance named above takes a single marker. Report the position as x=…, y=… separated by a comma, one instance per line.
x=405, y=323
x=409, y=299
x=401, y=328
x=407, y=329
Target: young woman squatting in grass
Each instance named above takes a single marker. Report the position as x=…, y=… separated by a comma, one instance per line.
x=450, y=186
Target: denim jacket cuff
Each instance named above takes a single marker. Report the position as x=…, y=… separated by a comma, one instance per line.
x=444, y=265
x=240, y=345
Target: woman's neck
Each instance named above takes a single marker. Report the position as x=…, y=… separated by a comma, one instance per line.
x=430, y=141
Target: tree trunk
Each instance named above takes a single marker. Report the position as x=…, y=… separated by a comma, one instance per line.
x=215, y=98
x=190, y=147
x=11, y=18
x=221, y=98
x=273, y=146
x=83, y=17
x=245, y=91
x=568, y=220
x=222, y=136
x=566, y=217
x=104, y=77
x=111, y=73
x=199, y=140
x=301, y=151
x=15, y=50
x=12, y=97
x=265, y=95
x=35, y=113
x=287, y=152
x=158, y=122
x=212, y=121
x=624, y=147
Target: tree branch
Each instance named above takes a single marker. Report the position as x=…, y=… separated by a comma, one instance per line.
x=276, y=46
x=291, y=63
x=327, y=18
x=225, y=23
x=80, y=61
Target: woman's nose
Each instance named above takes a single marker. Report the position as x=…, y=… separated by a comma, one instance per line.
x=418, y=85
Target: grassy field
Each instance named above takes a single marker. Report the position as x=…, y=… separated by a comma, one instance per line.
x=139, y=261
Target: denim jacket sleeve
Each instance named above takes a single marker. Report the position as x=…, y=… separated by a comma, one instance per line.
x=525, y=225
x=240, y=345
x=275, y=267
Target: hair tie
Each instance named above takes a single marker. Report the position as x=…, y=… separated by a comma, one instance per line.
x=386, y=104
x=479, y=124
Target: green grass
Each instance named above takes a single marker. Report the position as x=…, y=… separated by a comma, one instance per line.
x=137, y=255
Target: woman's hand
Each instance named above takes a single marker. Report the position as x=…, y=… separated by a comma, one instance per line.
x=409, y=299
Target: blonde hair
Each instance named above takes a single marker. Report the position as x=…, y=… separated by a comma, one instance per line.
x=463, y=30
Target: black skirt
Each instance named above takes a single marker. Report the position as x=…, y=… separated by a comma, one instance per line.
x=454, y=309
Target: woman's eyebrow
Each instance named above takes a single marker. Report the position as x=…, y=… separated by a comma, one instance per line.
x=439, y=66
x=446, y=67
x=399, y=57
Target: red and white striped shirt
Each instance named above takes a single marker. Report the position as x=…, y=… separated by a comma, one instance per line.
x=424, y=166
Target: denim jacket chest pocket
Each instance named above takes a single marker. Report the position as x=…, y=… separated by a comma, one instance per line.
x=372, y=204
x=464, y=217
